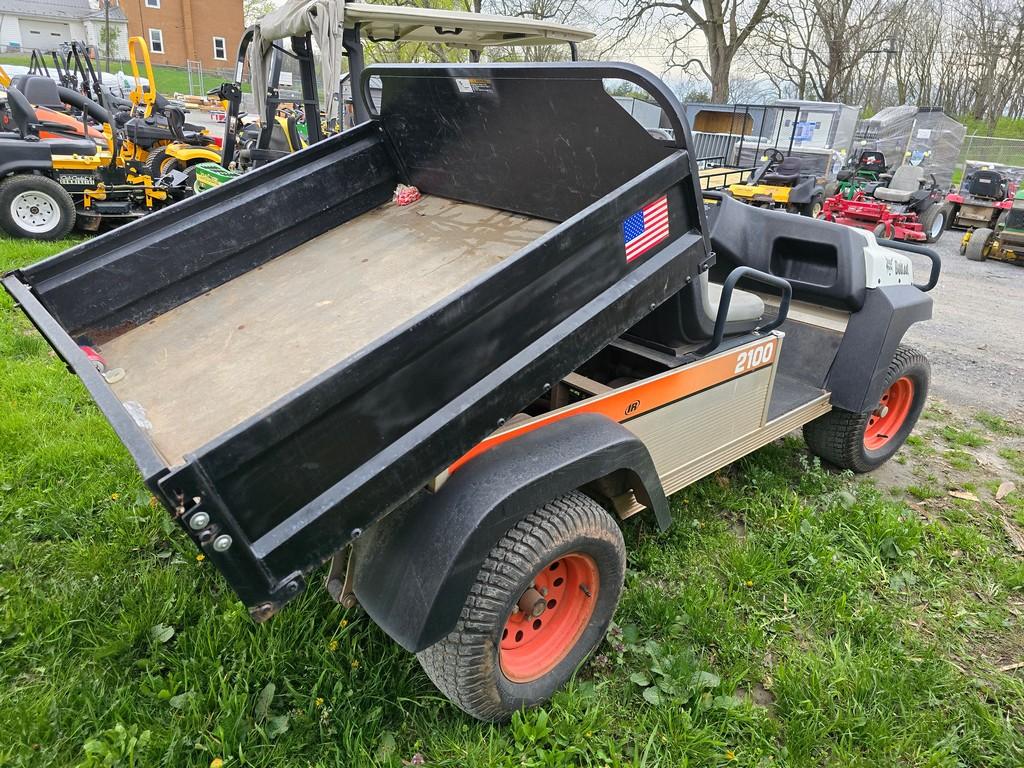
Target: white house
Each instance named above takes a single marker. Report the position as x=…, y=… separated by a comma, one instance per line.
x=45, y=24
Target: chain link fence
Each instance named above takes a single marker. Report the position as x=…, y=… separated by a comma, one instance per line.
x=1006, y=155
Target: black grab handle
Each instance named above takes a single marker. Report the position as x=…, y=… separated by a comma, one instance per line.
x=758, y=276
x=900, y=245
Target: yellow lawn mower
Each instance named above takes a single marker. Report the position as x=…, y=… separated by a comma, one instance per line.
x=781, y=183
x=51, y=185
x=154, y=131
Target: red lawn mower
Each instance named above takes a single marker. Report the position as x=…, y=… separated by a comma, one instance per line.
x=903, y=209
x=983, y=197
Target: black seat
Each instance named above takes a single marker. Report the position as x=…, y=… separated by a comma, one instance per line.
x=871, y=161
x=991, y=185
x=786, y=173
x=40, y=91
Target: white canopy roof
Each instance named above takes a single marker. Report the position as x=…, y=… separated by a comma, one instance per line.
x=463, y=30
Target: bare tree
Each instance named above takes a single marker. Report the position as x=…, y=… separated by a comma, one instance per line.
x=723, y=26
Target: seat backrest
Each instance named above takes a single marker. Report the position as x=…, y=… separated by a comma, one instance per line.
x=22, y=113
x=791, y=166
x=907, y=178
x=41, y=91
x=991, y=184
x=871, y=161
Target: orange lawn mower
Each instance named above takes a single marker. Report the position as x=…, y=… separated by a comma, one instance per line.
x=904, y=209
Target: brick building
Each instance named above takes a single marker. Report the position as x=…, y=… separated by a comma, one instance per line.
x=182, y=30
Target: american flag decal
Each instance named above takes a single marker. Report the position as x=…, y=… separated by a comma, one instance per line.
x=646, y=228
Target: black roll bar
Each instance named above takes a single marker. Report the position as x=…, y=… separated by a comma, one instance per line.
x=933, y=277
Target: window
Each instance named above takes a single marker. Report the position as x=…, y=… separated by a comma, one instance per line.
x=220, y=49
x=152, y=3
x=156, y=41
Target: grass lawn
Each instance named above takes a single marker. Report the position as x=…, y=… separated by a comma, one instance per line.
x=791, y=617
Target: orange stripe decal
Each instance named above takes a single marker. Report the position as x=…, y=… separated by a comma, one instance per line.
x=647, y=395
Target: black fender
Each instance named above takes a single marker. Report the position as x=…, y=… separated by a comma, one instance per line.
x=24, y=156
x=414, y=569
x=872, y=335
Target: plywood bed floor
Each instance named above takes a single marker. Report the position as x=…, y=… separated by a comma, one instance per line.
x=220, y=358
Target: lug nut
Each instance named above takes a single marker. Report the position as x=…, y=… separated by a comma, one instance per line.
x=222, y=543
x=198, y=521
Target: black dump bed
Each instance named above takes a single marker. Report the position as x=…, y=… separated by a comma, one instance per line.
x=301, y=355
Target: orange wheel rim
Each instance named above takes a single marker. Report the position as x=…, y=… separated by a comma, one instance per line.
x=532, y=645
x=888, y=418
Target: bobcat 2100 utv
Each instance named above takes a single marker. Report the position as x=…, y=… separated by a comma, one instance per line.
x=470, y=392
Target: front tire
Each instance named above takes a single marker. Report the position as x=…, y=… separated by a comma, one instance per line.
x=540, y=605
x=862, y=442
x=36, y=207
x=933, y=222
x=978, y=244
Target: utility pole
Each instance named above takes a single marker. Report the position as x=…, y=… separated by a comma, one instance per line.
x=106, y=29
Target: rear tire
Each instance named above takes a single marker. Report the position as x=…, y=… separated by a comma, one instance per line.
x=159, y=163
x=815, y=206
x=933, y=222
x=36, y=207
x=862, y=442
x=976, y=246
x=490, y=673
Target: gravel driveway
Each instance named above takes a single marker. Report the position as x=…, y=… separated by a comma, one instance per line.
x=974, y=340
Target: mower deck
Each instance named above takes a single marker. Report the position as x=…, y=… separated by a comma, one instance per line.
x=280, y=325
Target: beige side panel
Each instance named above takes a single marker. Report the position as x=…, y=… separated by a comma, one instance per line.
x=682, y=432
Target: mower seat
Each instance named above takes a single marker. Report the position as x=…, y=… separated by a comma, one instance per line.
x=40, y=91
x=785, y=174
x=991, y=185
x=904, y=183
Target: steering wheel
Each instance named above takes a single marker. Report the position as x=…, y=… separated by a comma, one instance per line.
x=775, y=157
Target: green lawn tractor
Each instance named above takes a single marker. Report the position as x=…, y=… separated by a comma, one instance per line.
x=1005, y=242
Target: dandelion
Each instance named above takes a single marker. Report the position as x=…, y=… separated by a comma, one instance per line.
x=216, y=763
x=115, y=496
x=200, y=557
x=749, y=583
x=730, y=755
x=319, y=702
x=344, y=623
x=332, y=646
x=355, y=664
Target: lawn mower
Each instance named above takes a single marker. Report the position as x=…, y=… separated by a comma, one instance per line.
x=984, y=195
x=903, y=209
x=780, y=183
x=866, y=172
x=155, y=132
x=1005, y=242
x=471, y=389
x=50, y=185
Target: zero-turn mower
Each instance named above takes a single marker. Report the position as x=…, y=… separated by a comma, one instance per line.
x=867, y=171
x=903, y=209
x=984, y=195
x=155, y=132
x=781, y=183
x=50, y=185
x=1005, y=242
